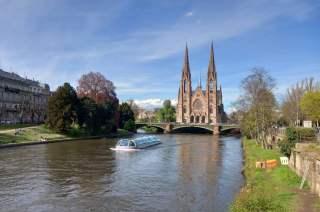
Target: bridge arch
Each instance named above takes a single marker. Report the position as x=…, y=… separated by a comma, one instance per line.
x=159, y=127
x=192, y=129
x=230, y=130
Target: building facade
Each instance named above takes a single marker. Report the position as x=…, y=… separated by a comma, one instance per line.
x=200, y=106
x=22, y=100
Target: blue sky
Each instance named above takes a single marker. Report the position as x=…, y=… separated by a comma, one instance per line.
x=139, y=44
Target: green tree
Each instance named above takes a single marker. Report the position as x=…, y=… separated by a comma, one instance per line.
x=62, y=108
x=167, y=113
x=287, y=144
x=109, y=115
x=88, y=115
x=310, y=104
x=126, y=114
x=130, y=125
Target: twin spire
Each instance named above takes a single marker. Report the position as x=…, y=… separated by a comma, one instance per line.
x=211, y=67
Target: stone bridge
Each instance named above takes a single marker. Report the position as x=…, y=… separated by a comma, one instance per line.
x=174, y=127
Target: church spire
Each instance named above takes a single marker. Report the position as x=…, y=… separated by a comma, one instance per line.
x=186, y=67
x=212, y=65
x=199, y=83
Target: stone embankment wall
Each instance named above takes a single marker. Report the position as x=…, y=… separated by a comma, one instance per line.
x=300, y=157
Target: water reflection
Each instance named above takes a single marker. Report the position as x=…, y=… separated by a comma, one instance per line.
x=184, y=173
x=72, y=168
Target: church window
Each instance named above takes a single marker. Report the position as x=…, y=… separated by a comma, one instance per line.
x=184, y=109
x=211, y=86
x=197, y=105
x=185, y=86
x=203, y=119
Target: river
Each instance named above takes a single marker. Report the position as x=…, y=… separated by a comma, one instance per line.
x=187, y=172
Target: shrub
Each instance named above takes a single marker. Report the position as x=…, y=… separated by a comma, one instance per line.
x=295, y=135
x=130, y=126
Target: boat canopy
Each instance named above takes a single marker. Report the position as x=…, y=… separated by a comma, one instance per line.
x=126, y=142
x=145, y=140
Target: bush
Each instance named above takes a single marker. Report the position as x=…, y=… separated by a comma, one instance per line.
x=306, y=134
x=285, y=147
x=130, y=126
x=295, y=135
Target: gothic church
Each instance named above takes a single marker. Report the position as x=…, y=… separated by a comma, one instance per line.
x=200, y=106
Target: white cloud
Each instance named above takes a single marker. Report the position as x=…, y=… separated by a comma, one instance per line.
x=153, y=103
x=188, y=14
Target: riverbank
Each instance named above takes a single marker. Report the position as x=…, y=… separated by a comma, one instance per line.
x=32, y=135
x=270, y=189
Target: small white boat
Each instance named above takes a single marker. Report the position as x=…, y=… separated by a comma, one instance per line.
x=137, y=143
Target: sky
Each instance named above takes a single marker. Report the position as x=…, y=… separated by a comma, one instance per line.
x=139, y=44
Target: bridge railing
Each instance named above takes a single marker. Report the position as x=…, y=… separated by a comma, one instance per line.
x=188, y=124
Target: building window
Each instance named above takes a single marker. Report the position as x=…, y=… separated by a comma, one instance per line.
x=203, y=119
x=197, y=105
x=197, y=119
x=211, y=86
x=192, y=119
x=184, y=109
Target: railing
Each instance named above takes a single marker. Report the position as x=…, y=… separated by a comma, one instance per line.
x=188, y=124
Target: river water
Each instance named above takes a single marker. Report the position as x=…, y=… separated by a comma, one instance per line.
x=187, y=172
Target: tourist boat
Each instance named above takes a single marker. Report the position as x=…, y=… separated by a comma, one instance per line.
x=137, y=143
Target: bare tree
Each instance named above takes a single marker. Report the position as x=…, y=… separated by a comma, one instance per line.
x=290, y=107
x=257, y=105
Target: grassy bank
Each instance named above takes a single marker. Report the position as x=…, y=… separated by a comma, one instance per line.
x=266, y=189
x=15, y=126
x=34, y=133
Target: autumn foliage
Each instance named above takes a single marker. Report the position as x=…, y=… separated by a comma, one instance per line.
x=95, y=86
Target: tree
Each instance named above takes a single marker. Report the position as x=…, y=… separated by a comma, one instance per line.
x=134, y=107
x=95, y=86
x=130, y=126
x=310, y=104
x=257, y=105
x=62, y=108
x=88, y=116
x=167, y=113
x=126, y=114
x=291, y=107
x=109, y=115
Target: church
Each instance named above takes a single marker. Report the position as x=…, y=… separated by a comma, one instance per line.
x=200, y=106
